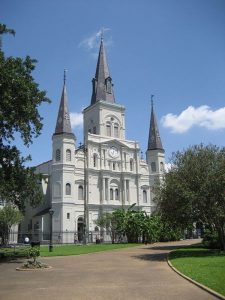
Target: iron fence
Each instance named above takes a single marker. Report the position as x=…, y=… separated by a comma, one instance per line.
x=62, y=237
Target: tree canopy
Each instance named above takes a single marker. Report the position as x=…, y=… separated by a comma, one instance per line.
x=136, y=226
x=20, y=98
x=194, y=189
x=9, y=216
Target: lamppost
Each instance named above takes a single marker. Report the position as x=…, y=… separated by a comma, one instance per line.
x=51, y=212
x=85, y=195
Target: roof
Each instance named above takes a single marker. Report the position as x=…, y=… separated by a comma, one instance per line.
x=154, y=140
x=63, y=124
x=102, y=82
x=42, y=212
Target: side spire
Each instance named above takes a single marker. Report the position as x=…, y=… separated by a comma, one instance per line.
x=154, y=140
x=102, y=87
x=63, y=124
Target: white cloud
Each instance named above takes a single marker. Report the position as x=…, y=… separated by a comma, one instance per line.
x=76, y=119
x=201, y=116
x=168, y=167
x=91, y=43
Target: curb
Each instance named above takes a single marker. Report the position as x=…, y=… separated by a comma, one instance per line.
x=203, y=287
x=37, y=269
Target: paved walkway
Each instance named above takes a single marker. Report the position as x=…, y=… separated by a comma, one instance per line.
x=133, y=273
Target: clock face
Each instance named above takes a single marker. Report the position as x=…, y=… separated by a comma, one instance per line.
x=113, y=152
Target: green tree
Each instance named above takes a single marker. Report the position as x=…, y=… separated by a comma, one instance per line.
x=137, y=225
x=131, y=223
x=194, y=189
x=4, y=30
x=108, y=222
x=9, y=216
x=122, y=222
x=20, y=99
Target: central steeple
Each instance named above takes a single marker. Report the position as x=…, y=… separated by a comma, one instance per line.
x=154, y=140
x=102, y=87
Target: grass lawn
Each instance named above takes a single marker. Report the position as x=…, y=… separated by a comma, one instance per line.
x=63, y=250
x=203, y=265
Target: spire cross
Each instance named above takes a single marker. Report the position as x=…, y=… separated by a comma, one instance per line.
x=152, y=100
x=64, y=76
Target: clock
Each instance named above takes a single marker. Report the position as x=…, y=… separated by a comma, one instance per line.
x=113, y=152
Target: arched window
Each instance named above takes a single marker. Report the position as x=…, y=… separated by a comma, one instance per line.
x=80, y=192
x=116, y=130
x=144, y=196
x=68, y=189
x=117, y=195
x=95, y=160
x=111, y=194
x=131, y=164
x=94, y=130
x=96, y=229
x=161, y=166
x=153, y=166
x=57, y=155
x=68, y=155
x=108, y=83
x=114, y=166
x=108, y=129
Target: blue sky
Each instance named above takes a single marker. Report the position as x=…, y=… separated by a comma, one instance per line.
x=174, y=49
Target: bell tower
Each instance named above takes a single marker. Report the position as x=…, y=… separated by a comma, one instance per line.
x=103, y=116
x=63, y=162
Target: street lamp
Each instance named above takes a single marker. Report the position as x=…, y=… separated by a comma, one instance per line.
x=51, y=212
x=85, y=195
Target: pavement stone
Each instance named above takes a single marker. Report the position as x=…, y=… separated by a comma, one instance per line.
x=132, y=273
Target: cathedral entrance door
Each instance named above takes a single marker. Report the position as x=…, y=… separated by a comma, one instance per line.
x=80, y=228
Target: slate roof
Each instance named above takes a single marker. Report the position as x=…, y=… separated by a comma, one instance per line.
x=154, y=140
x=63, y=124
x=102, y=82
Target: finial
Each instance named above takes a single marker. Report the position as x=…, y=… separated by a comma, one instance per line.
x=64, y=76
x=152, y=102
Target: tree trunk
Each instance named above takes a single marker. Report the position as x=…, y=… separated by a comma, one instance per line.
x=5, y=235
x=113, y=237
x=220, y=230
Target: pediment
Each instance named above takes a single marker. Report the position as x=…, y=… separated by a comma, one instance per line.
x=120, y=143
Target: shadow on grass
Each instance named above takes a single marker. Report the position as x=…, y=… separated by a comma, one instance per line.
x=195, y=253
x=12, y=260
x=158, y=256
x=10, y=255
x=176, y=251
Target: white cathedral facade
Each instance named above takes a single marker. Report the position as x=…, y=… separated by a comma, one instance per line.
x=105, y=173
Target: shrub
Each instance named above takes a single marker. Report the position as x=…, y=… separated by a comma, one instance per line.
x=211, y=239
x=34, y=252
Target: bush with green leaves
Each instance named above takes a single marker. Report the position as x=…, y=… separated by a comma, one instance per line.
x=33, y=252
x=137, y=226
x=211, y=239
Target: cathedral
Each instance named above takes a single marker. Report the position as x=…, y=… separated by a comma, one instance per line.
x=103, y=174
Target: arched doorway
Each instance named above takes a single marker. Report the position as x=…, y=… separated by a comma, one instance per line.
x=80, y=228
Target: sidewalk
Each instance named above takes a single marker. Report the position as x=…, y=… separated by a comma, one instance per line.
x=132, y=273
